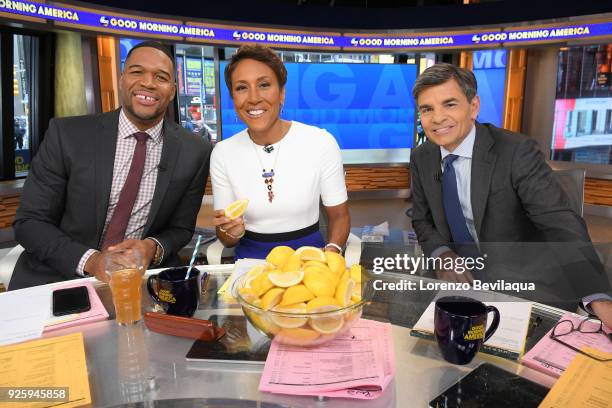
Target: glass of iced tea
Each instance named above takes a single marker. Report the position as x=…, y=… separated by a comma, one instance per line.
x=125, y=269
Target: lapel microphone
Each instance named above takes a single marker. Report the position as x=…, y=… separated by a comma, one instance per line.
x=437, y=176
x=268, y=148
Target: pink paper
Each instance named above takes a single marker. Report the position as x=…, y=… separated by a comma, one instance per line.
x=96, y=313
x=359, y=364
x=553, y=358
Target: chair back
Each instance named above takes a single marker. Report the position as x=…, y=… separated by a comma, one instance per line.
x=572, y=181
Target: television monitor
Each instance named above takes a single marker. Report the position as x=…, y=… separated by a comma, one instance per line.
x=490, y=72
x=582, y=129
x=368, y=108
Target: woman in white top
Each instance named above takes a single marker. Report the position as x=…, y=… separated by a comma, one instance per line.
x=283, y=168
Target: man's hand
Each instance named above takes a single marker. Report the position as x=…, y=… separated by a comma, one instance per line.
x=147, y=248
x=449, y=274
x=95, y=266
x=603, y=310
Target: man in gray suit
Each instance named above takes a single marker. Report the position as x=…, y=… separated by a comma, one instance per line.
x=124, y=179
x=476, y=184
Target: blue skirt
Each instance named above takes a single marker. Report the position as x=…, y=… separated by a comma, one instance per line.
x=249, y=248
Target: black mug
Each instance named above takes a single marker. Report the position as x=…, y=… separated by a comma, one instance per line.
x=175, y=294
x=459, y=326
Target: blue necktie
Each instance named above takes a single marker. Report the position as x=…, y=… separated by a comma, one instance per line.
x=464, y=243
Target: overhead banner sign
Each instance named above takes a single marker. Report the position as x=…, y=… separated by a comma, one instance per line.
x=288, y=38
x=558, y=33
x=100, y=20
x=418, y=41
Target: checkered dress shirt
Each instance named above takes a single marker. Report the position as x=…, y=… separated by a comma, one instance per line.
x=126, y=143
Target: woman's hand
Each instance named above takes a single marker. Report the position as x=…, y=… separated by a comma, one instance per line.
x=232, y=229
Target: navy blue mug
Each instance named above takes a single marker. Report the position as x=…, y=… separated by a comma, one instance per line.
x=175, y=294
x=459, y=326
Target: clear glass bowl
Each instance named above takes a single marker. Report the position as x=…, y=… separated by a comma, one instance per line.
x=301, y=329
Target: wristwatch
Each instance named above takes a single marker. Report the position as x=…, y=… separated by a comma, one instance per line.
x=159, y=252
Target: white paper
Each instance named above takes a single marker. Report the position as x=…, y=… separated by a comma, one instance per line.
x=242, y=267
x=24, y=314
x=511, y=332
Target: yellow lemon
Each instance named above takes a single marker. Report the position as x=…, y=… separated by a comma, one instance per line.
x=262, y=323
x=310, y=253
x=248, y=294
x=296, y=294
x=320, y=302
x=298, y=336
x=288, y=321
x=326, y=272
x=344, y=291
x=279, y=255
x=355, y=273
x=315, y=263
x=286, y=279
x=236, y=209
x=335, y=262
x=326, y=324
x=271, y=298
x=356, y=295
x=293, y=263
x=318, y=284
x=262, y=284
x=256, y=270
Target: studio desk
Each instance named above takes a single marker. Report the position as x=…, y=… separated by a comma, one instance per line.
x=134, y=365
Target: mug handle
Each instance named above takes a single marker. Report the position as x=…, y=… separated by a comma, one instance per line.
x=151, y=290
x=494, y=324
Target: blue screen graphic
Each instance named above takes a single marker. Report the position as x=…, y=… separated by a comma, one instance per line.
x=490, y=72
x=365, y=106
x=125, y=45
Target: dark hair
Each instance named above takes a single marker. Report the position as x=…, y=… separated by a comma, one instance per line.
x=258, y=53
x=441, y=73
x=153, y=44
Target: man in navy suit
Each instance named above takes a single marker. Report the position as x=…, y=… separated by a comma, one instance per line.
x=475, y=184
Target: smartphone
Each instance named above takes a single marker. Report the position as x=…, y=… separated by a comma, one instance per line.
x=490, y=386
x=70, y=300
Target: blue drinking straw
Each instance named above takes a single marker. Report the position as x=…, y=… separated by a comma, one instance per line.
x=193, y=256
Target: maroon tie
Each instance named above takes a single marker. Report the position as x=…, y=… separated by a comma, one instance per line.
x=115, y=233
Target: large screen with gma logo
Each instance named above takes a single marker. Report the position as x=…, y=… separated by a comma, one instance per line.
x=367, y=107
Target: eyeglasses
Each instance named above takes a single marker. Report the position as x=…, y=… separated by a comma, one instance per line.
x=565, y=327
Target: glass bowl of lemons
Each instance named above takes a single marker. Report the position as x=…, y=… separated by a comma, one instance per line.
x=304, y=297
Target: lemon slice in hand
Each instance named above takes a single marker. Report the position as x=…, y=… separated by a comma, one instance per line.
x=286, y=279
x=236, y=209
x=289, y=322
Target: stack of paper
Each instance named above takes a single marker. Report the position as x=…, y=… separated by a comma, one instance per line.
x=359, y=364
x=553, y=358
x=586, y=383
x=23, y=315
x=509, y=338
x=54, y=362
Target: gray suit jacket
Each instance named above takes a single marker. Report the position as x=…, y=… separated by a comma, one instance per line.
x=65, y=197
x=515, y=199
